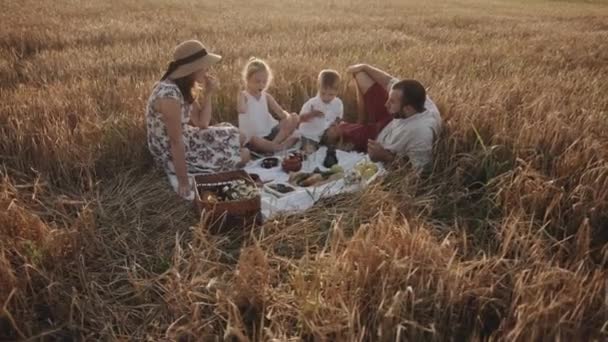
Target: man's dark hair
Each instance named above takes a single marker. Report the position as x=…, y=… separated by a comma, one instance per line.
x=412, y=93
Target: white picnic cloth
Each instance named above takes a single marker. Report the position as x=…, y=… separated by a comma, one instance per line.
x=302, y=198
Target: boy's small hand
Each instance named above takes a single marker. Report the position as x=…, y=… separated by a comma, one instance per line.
x=317, y=114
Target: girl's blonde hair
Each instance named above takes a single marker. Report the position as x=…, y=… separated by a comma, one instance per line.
x=255, y=65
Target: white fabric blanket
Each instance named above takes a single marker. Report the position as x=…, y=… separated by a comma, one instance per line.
x=303, y=198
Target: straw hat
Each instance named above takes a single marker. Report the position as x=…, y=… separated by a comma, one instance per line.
x=188, y=57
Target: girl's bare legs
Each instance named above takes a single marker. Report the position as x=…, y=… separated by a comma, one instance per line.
x=286, y=128
x=264, y=146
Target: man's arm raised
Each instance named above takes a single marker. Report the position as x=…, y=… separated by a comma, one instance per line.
x=377, y=75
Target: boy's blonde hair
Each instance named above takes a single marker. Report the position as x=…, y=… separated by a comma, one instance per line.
x=329, y=78
x=255, y=65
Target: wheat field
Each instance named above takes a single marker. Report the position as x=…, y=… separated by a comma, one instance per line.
x=506, y=240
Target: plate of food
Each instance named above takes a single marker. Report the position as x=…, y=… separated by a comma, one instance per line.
x=363, y=172
x=279, y=189
x=269, y=163
x=317, y=177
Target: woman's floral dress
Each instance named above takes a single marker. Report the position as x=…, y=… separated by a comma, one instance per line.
x=212, y=149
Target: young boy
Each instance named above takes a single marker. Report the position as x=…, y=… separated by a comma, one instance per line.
x=321, y=112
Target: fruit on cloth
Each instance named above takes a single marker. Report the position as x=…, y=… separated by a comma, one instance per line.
x=296, y=177
x=366, y=169
x=336, y=169
x=317, y=177
x=312, y=180
x=368, y=173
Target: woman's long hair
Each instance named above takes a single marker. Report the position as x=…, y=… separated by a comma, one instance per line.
x=187, y=87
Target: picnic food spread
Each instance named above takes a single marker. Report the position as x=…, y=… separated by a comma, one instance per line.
x=233, y=191
x=330, y=157
x=281, y=188
x=366, y=169
x=269, y=163
x=317, y=177
x=292, y=164
x=286, y=182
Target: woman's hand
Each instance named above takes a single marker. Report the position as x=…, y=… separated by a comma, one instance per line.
x=356, y=68
x=183, y=188
x=211, y=83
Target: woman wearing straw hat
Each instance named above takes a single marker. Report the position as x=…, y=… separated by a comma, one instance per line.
x=179, y=135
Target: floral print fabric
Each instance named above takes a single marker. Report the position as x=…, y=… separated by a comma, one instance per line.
x=213, y=149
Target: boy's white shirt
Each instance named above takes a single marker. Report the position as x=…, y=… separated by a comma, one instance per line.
x=314, y=128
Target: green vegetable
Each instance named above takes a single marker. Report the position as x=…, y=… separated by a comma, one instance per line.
x=336, y=169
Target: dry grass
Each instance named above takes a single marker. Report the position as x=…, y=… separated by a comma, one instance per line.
x=506, y=240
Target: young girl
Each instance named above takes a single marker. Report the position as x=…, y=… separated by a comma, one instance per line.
x=263, y=132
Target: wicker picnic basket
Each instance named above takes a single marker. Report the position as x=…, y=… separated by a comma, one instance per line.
x=243, y=209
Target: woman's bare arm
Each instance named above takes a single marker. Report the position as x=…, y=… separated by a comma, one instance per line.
x=170, y=110
x=205, y=109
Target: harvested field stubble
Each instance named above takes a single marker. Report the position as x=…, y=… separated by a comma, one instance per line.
x=507, y=239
